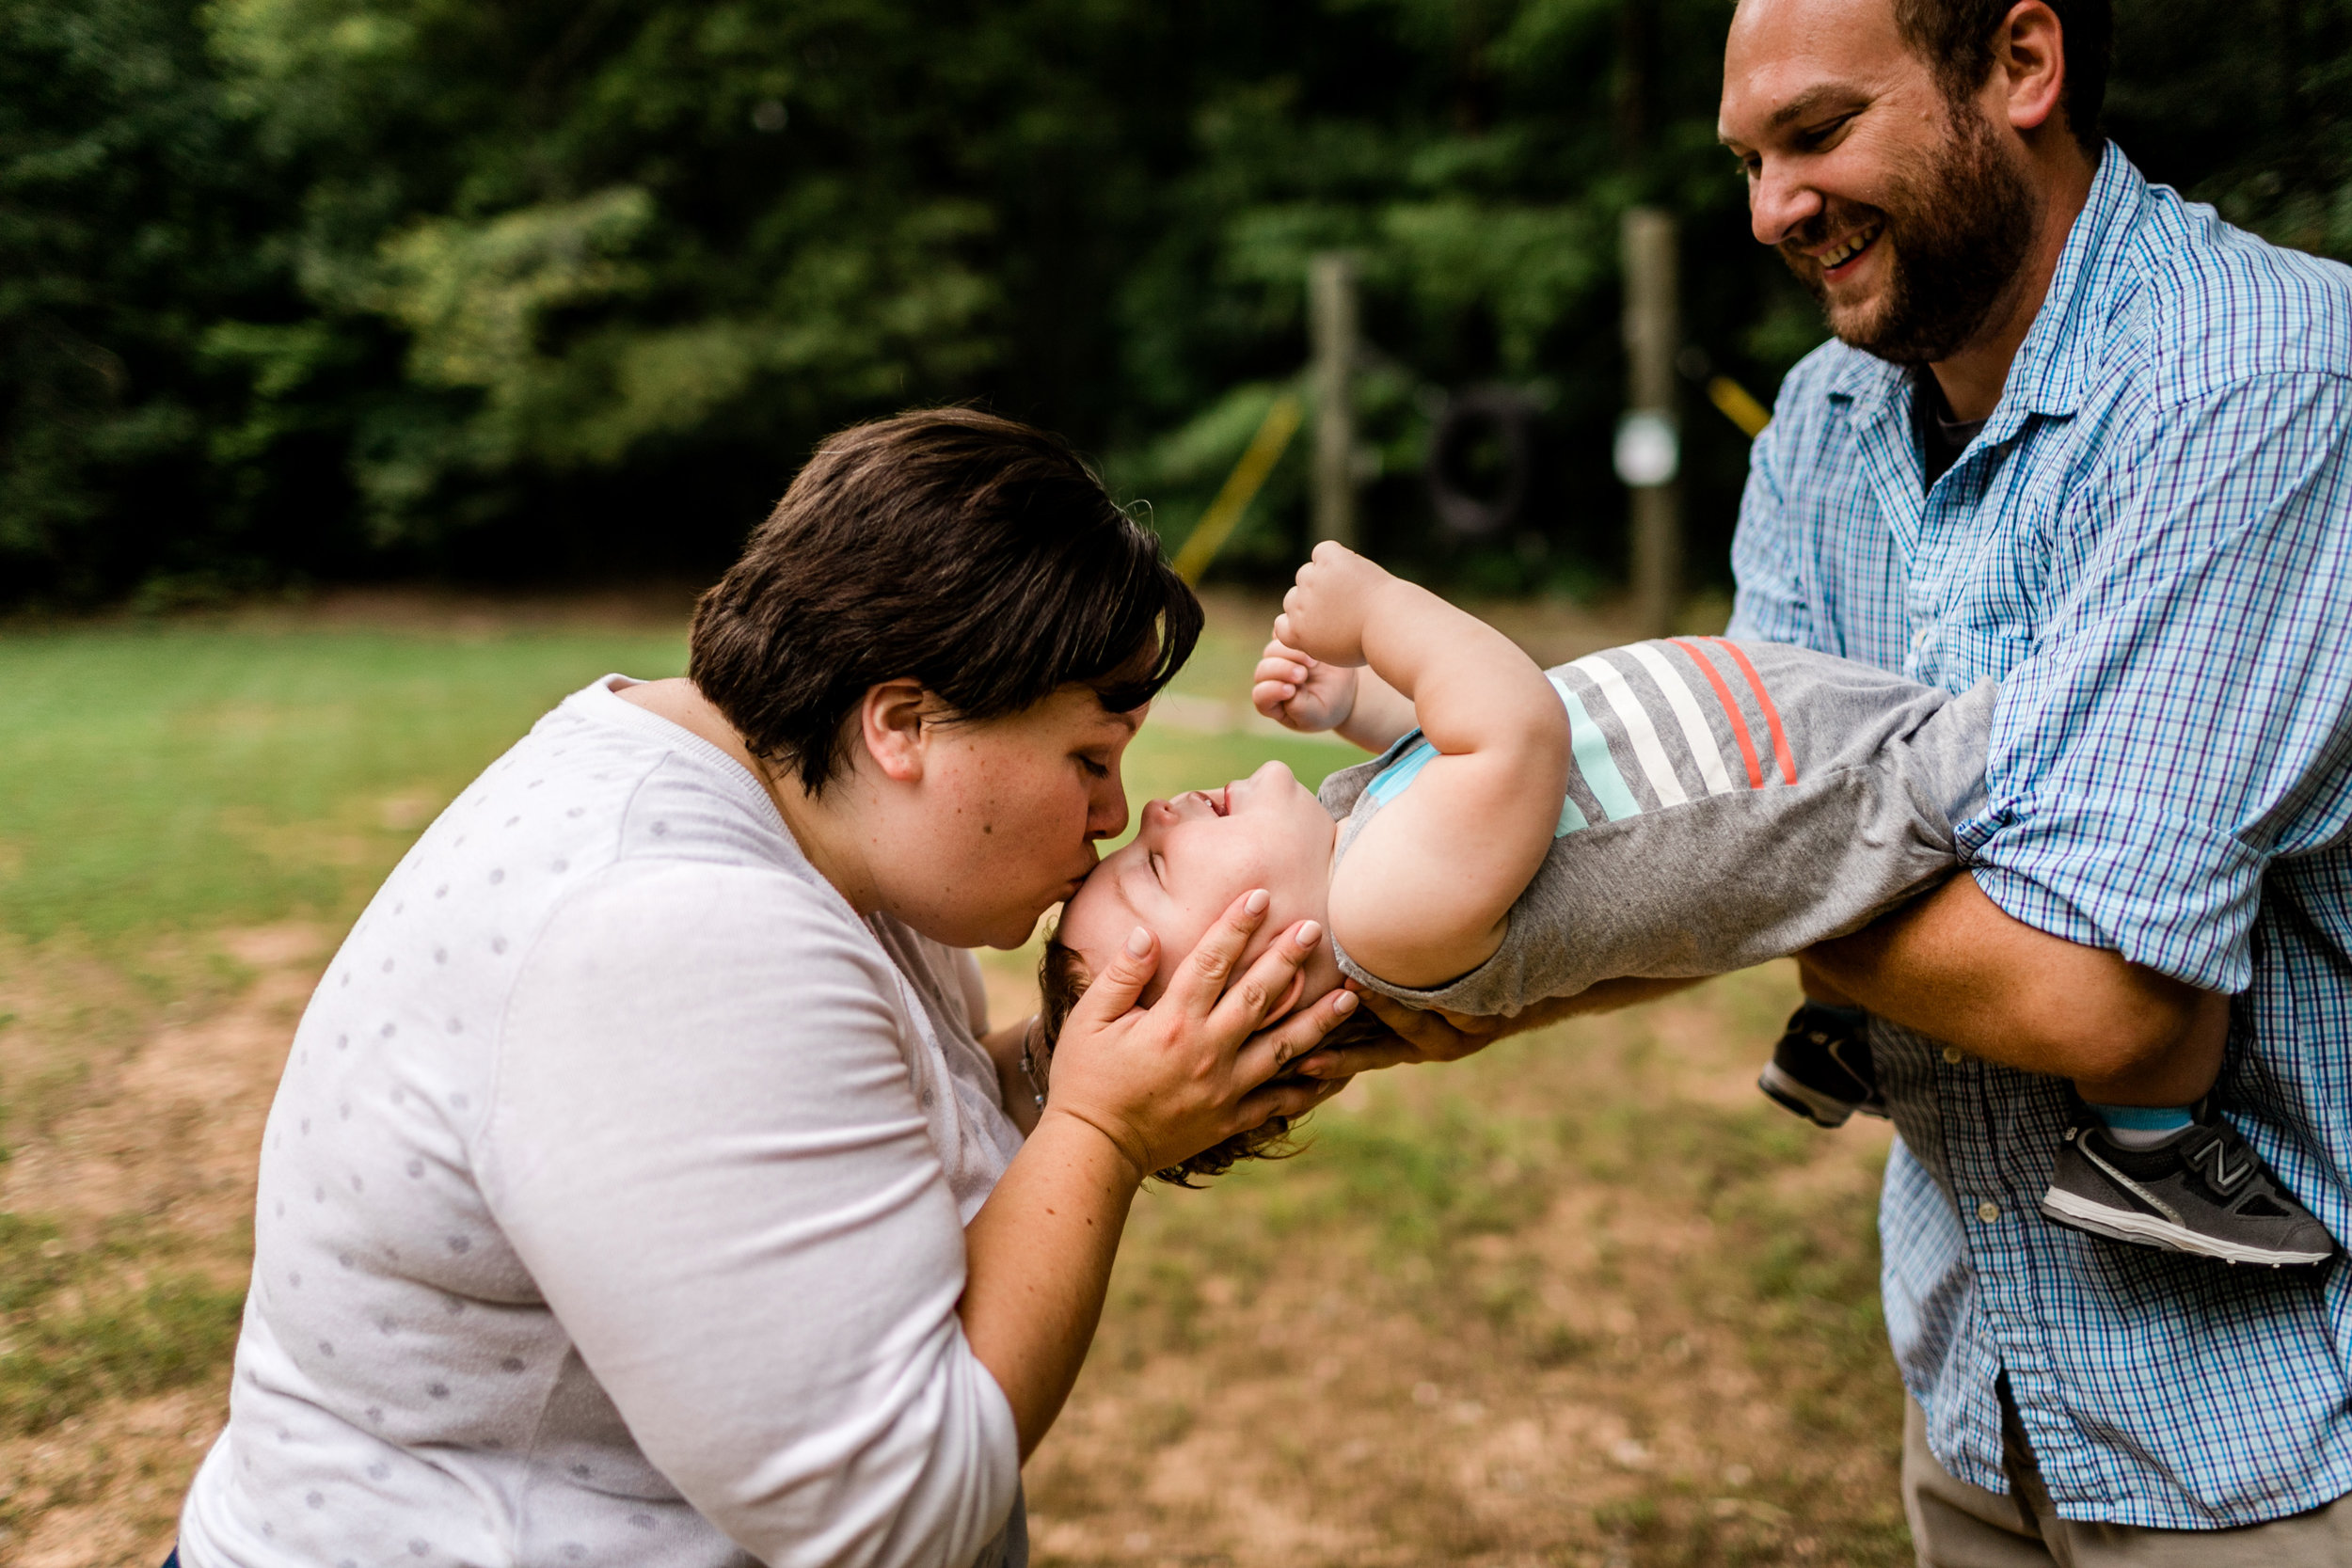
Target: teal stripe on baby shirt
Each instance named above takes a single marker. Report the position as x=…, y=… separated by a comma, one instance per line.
x=1396, y=775
x=1594, y=761
x=1392, y=779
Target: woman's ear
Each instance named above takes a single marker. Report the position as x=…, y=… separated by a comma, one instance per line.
x=894, y=721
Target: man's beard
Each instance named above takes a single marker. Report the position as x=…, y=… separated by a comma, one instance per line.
x=1956, y=237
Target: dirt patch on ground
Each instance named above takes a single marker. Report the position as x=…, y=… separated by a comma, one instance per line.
x=173, y=1131
x=161, y=1140
x=1640, y=1333
x=104, y=1488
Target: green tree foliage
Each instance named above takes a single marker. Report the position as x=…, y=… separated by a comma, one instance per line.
x=2247, y=105
x=1477, y=156
x=131, y=221
x=528, y=289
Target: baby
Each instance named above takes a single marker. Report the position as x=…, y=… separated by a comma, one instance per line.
x=1673, y=808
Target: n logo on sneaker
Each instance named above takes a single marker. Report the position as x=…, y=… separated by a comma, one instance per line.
x=2215, y=1158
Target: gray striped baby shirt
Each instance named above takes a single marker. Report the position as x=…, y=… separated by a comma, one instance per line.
x=1728, y=803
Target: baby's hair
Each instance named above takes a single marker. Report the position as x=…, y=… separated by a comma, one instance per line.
x=1062, y=979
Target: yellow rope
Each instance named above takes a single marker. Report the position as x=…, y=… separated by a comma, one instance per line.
x=1241, y=488
x=1738, y=405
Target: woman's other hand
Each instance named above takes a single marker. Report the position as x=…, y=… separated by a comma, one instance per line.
x=1419, y=1036
x=1165, y=1082
x=1439, y=1035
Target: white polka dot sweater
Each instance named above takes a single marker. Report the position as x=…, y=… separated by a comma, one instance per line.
x=612, y=1205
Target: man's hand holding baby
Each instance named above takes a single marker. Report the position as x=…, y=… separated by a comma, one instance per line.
x=1419, y=1036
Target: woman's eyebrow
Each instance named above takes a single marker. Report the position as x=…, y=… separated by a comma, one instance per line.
x=1115, y=725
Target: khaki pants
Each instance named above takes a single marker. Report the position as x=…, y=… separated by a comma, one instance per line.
x=1956, y=1525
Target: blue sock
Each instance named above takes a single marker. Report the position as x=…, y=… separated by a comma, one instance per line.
x=2142, y=1126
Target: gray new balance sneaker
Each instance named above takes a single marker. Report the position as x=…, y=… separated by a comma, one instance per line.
x=2204, y=1190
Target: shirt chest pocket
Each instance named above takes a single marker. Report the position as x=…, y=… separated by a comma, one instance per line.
x=1989, y=611
x=1965, y=653
x=1994, y=555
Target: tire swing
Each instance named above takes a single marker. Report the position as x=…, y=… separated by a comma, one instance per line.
x=1482, y=462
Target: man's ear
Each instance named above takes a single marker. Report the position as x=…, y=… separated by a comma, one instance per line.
x=2029, y=65
x=896, y=721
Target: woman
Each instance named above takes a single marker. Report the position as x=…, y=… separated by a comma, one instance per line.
x=644, y=1185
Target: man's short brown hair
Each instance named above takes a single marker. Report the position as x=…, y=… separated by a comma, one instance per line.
x=1955, y=37
x=977, y=555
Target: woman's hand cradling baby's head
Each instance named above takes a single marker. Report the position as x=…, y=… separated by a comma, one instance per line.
x=1199, y=1068
x=1177, y=882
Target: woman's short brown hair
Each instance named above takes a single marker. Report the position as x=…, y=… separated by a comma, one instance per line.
x=1062, y=978
x=975, y=554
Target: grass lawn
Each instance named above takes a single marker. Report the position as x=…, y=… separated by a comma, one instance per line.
x=1584, y=1300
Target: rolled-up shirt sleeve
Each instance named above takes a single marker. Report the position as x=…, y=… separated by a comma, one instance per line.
x=707, y=1147
x=2187, y=719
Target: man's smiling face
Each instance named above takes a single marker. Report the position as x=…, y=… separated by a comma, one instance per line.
x=1904, y=212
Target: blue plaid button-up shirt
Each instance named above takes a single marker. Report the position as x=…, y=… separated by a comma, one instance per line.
x=2149, y=544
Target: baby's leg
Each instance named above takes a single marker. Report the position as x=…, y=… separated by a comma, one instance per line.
x=1821, y=1068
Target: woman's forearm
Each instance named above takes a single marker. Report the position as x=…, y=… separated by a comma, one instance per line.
x=1134, y=1089
x=1039, y=1259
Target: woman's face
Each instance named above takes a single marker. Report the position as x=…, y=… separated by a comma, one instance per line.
x=1007, y=818
x=1194, y=855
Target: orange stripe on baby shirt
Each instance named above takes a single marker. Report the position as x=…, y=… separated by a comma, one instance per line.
x=1731, y=710
x=1771, y=714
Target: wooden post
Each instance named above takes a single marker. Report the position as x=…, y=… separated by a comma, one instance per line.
x=1648, y=443
x=1332, y=326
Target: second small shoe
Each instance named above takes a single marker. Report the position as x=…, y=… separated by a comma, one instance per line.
x=1821, y=1068
x=2202, y=1190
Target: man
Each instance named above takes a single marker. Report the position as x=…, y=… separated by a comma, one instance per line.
x=2080, y=438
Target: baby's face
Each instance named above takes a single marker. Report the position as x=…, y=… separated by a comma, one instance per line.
x=1191, y=857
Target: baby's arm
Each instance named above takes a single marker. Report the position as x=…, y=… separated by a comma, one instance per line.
x=1425, y=891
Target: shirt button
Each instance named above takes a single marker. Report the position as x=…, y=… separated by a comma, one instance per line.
x=1952, y=1054
x=1988, y=1211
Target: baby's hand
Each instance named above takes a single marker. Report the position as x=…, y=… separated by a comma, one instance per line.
x=1325, y=614
x=1301, y=692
